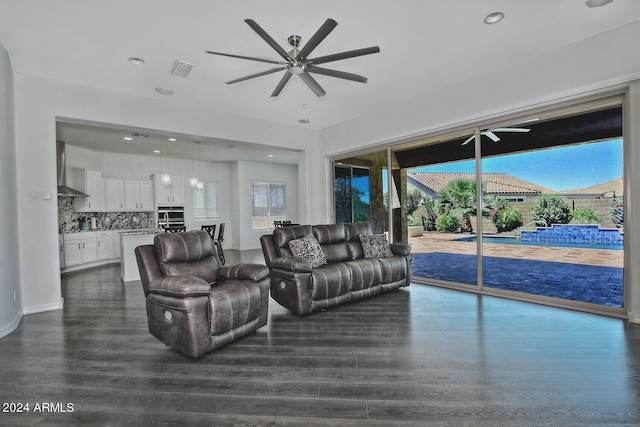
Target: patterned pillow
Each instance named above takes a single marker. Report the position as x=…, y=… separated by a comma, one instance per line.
x=375, y=246
x=309, y=249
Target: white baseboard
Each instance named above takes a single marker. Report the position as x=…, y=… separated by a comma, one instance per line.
x=45, y=307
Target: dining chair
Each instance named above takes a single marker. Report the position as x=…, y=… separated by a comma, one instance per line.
x=218, y=242
x=211, y=230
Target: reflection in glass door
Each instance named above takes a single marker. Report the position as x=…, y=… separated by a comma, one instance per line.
x=351, y=194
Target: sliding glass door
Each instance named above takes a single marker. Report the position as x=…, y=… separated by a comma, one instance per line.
x=351, y=189
x=537, y=214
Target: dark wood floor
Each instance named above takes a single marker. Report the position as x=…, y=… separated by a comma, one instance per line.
x=417, y=356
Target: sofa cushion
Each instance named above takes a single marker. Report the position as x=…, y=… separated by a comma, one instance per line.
x=365, y=273
x=332, y=239
x=375, y=246
x=309, y=249
x=187, y=254
x=352, y=233
x=282, y=237
x=330, y=281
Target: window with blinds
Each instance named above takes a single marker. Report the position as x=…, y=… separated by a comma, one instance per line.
x=268, y=204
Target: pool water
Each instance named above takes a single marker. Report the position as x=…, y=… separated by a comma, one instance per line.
x=514, y=241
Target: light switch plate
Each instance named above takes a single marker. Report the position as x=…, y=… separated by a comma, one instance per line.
x=45, y=195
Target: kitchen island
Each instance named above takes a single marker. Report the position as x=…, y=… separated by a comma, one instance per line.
x=129, y=240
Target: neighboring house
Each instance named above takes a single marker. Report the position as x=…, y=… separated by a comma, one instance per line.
x=509, y=187
x=609, y=189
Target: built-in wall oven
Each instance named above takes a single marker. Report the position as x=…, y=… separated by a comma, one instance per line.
x=170, y=216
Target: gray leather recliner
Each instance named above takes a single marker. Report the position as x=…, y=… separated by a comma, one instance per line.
x=194, y=304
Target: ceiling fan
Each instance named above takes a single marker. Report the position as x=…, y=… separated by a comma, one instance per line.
x=491, y=133
x=297, y=61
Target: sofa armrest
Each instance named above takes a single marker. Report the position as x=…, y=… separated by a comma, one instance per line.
x=292, y=263
x=246, y=271
x=179, y=286
x=400, y=248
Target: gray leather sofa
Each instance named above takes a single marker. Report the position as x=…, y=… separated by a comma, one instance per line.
x=194, y=304
x=347, y=275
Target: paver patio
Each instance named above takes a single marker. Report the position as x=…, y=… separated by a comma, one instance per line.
x=586, y=275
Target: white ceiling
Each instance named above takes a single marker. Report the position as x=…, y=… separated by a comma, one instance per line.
x=424, y=45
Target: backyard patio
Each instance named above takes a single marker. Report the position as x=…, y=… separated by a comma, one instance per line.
x=578, y=274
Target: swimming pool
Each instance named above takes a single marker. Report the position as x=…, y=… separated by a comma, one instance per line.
x=514, y=241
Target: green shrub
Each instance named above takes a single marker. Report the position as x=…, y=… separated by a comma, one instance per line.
x=448, y=222
x=584, y=216
x=617, y=211
x=552, y=209
x=508, y=219
x=414, y=220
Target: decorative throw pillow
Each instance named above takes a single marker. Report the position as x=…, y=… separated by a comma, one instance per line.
x=375, y=246
x=309, y=249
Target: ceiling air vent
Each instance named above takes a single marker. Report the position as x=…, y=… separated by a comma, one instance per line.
x=181, y=68
x=139, y=135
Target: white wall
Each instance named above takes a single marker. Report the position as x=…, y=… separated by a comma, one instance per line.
x=10, y=300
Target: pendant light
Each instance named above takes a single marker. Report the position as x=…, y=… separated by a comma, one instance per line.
x=193, y=181
x=199, y=182
x=165, y=178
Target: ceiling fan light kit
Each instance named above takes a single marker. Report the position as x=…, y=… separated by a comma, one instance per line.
x=297, y=61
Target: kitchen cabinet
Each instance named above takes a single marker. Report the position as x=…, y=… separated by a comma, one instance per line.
x=138, y=195
x=103, y=245
x=80, y=248
x=169, y=195
x=89, y=182
x=114, y=195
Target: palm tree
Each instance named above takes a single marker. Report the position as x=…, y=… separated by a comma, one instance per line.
x=460, y=197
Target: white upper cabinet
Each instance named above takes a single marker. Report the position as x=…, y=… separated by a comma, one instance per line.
x=89, y=182
x=169, y=195
x=138, y=195
x=114, y=195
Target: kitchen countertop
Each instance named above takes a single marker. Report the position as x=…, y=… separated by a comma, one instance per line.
x=140, y=231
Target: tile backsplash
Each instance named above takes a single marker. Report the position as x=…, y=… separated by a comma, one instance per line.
x=70, y=221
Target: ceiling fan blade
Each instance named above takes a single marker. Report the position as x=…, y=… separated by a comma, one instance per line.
x=312, y=83
x=251, y=58
x=283, y=81
x=262, y=73
x=336, y=73
x=522, y=130
x=492, y=136
x=315, y=40
x=468, y=140
x=345, y=55
x=266, y=37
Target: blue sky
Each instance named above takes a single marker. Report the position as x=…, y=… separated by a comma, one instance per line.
x=558, y=169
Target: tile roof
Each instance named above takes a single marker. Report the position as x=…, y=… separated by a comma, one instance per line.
x=609, y=188
x=497, y=183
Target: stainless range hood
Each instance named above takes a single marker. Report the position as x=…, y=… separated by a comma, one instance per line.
x=61, y=161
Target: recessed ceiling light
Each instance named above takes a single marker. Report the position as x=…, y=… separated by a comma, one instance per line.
x=136, y=61
x=172, y=139
x=156, y=151
x=128, y=138
x=597, y=3
x=494, y=18
x=164, y=91
x=304, y=121
x=269, y=155
x=305, y=106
